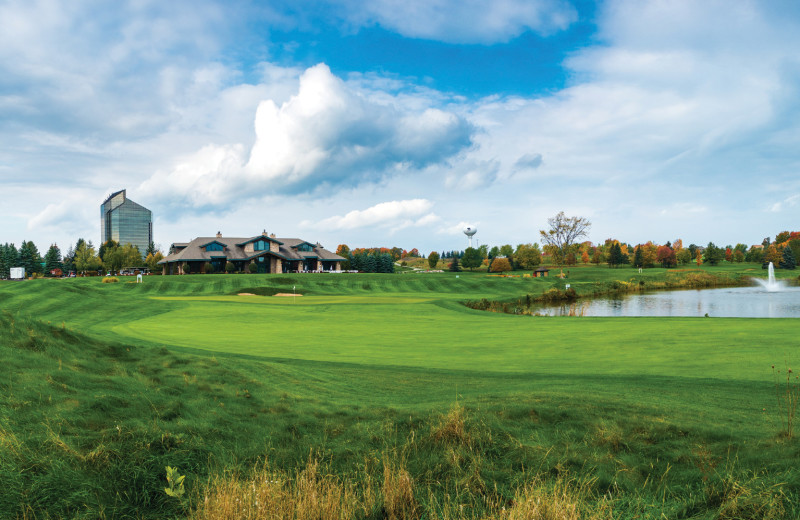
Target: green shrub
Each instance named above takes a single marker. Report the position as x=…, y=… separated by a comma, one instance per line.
x=253, y=268
x=230, y=268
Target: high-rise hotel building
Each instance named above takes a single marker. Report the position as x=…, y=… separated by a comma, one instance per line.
x=126, y=222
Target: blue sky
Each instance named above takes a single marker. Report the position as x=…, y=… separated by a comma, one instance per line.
x=398, y=123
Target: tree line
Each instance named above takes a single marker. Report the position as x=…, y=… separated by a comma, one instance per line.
x=562, y=248
x=80, y=258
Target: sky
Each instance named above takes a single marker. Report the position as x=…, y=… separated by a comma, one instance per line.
x=389, y=123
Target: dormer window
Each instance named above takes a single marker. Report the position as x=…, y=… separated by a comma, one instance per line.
x=214, y=246
x=261, y=245
x=305, y=247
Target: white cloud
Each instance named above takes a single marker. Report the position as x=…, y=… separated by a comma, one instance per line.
x=788, y=201
x=326, y=136
x=385, y=215
x=465, y=21
x=472, y=174
x=205, y=179
x=427, y=220
x=51, y=216
x=67, y=219
x=646, y=104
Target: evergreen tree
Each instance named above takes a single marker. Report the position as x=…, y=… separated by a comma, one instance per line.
x=454, y=267
x=638, y=257
x=11, y=259
x=68, y=261
x=614, y=255
x=371, y=264
x=29, y=258
x=151, y=249
x=355, y=262
x=794, y=244
x=713, y=255
x=4, y=267
x=385, y=263
x=788, y=261
x=25, y=259
x=52, y=259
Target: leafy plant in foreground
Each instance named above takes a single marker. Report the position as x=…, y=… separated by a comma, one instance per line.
x=175, y=481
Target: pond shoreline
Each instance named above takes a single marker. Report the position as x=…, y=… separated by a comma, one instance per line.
x=678, y=280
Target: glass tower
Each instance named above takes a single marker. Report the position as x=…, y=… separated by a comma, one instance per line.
x=126, y=222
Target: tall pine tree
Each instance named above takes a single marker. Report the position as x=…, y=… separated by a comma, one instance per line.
x=638, y=257
x=788, y=261
x=68, y=261
x=29, y=257
x=371, y=264
x=615, y=255
x=4, y=265
x=52, y=259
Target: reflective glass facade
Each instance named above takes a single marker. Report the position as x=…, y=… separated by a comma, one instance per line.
x=126, y=222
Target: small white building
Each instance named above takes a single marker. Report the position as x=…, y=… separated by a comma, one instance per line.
x=17, y=273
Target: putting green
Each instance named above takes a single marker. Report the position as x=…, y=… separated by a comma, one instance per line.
x=416, y=332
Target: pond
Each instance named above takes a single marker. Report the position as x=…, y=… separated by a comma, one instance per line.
x=732, y=302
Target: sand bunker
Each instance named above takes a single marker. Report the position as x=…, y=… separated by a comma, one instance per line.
x=246, y=294
x=286, y=294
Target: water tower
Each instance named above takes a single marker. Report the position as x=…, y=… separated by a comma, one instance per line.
x=470, y=232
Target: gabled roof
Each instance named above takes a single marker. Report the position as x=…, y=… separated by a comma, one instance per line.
x=215, y=241
x=194, y=251
x=257, y=237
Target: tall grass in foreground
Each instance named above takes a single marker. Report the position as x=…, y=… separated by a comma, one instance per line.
x=314, y=493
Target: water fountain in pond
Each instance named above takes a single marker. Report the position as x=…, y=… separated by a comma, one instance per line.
x=771, y=284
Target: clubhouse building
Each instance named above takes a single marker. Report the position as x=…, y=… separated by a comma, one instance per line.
x=270, y=254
